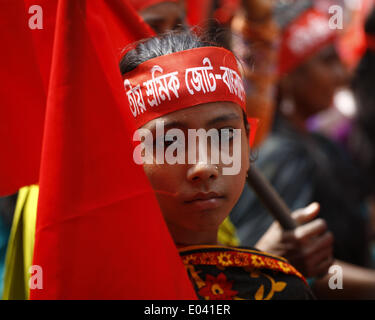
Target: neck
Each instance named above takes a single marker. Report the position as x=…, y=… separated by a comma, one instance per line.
x=184, y=238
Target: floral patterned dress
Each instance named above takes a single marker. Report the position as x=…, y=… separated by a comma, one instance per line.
x=224, y=273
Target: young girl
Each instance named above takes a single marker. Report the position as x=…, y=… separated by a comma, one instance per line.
x=178, y=81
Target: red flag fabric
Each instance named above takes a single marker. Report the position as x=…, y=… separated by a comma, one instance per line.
x=198, y=12
x=100, y=233
x=42, y=39
x=22, y=100
x=26, y=63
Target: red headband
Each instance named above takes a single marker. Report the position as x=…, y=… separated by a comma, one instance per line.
x=139, y=5
x=183, y=79
x=309, y=33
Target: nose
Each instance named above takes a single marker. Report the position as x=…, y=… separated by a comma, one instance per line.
x=201, y=172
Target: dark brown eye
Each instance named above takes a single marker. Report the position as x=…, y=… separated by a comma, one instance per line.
x=168, y=140
x=165, y=141
x=226, y=134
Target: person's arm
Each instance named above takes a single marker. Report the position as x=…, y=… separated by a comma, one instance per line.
x=309, y=249
x=357, y=283
x=257, y=27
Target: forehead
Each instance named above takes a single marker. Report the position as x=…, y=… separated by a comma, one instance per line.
x=201, y=116
x=163, y=10
x=326, y=54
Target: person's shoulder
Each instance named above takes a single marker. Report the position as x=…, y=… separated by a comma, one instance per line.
x=283, y=145
x=284, y=142
x=332, y=148
x=280, y=157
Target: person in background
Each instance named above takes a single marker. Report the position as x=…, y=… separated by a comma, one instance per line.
x=255, y=38
x=305, y=167
x=362, y=138
x=255, y=35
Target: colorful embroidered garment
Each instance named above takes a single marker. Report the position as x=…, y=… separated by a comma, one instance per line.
x=223, y=273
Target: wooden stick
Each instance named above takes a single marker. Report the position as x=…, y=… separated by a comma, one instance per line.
x=270, y=198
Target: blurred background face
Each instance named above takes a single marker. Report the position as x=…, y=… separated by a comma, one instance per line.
x=165, y=16
x=196, y=198
x=313, y=84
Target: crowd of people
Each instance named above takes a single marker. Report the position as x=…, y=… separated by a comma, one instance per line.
x=293, y=64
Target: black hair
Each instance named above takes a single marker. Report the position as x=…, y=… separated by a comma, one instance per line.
x=362, y=140
x=170, y=42
x=167, y=43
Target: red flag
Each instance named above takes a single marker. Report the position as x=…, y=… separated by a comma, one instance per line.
x=100, y=233
x=22, y=100
x=26, y=63
x=199, y=12
x=42, y=39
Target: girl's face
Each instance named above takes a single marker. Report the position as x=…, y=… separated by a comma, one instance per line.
x=315, y=82
x=196, y=198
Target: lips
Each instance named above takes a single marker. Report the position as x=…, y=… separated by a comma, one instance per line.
x=205, y=201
